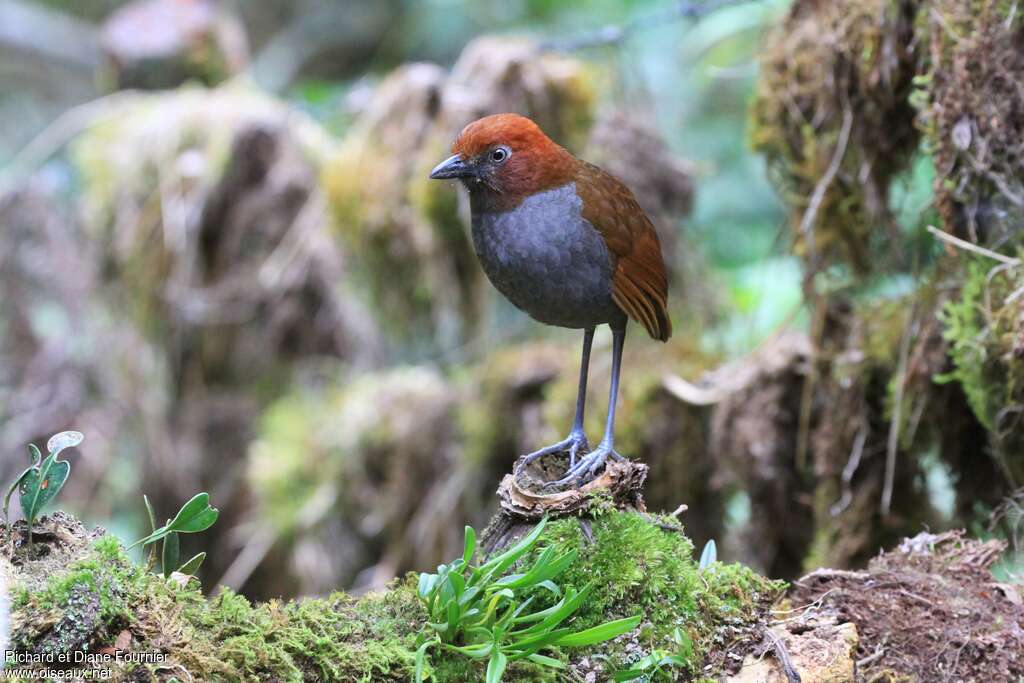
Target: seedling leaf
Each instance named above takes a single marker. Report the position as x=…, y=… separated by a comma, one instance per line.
x=708, y=556
x=193, y=565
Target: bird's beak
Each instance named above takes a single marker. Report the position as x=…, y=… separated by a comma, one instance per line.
x=452, y=167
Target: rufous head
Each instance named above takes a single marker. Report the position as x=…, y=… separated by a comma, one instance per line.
x=506, y=155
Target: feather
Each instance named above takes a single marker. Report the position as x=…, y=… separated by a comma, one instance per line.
x=639, y=281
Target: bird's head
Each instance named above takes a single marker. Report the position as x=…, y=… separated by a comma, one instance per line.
x=507, y=157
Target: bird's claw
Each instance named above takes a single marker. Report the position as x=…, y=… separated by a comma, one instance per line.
x=588, y=466
x=575, y=443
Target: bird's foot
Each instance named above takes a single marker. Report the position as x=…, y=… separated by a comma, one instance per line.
x=575, y=444
x=588, y=466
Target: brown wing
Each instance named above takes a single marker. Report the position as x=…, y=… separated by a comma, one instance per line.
x=639, y=282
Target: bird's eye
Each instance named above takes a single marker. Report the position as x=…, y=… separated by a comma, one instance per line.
x=499, y=154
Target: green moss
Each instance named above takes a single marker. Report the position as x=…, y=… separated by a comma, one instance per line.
x=83, y=603
x=983, y=328
x=338, y=638
x=636, y=565
x=224, y=638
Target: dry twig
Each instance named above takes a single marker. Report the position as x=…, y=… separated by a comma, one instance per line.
x=782, y=654
x=970, y=246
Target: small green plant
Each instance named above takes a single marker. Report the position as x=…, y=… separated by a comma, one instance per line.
x=658, y=661
x=194, y=516
x=43, y=480
x=482, y=613
x=708, y=556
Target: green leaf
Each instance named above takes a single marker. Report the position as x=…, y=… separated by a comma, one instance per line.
x=506, y=581
x=522, y=607
x=10, y=491
x=40, y=486
x=468, y=596
x=474, y=651
x=149, y=511
x=458, y=583
x=543, y=570
x=195, y=515
x=193, y=565
x=546, y=661
x=477, y=632
x=649, y=662
x=469, y=545
x=599, y=634
x=453, y=613
x=426, y=585
x=440, y=627
x=562, y=609
x=502, y=623
x=496, y=667
x=628, y=675
x=527, y=646
x=421, y=660
x=493, y=604
x=509, y=557
x=171, y=554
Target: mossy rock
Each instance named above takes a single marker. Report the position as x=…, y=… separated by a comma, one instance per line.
x=639, y=565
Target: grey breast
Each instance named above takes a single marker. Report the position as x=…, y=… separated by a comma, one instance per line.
x=548, y=260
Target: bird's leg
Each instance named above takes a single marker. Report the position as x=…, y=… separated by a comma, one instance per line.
x=589, y=465
x=576, y=442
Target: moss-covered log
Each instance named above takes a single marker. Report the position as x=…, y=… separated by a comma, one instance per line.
x=74, y=591
x=79, y=592
x=913, y=614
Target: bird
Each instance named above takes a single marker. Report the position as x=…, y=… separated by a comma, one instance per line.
x=568, y=244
